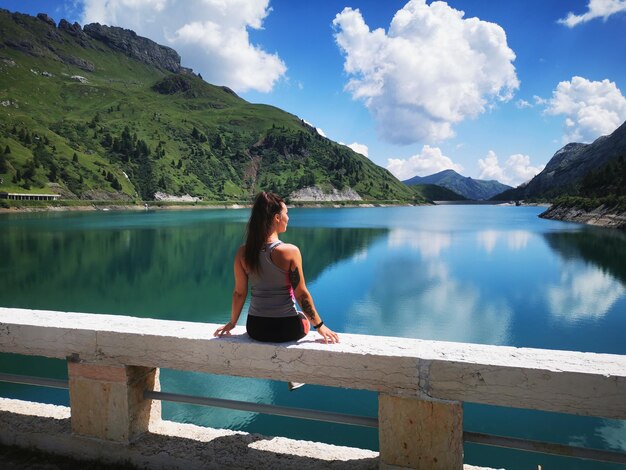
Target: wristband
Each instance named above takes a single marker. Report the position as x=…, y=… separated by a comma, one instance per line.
x=319, y=325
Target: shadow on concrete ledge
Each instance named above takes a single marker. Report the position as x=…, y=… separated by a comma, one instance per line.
x=25, y=426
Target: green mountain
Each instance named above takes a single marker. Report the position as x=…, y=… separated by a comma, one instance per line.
x=587, y=170
x=432, y=192
x=465, y=186
x=101, y=113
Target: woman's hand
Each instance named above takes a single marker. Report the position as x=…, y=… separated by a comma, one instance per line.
x=329, y=335
x=225, y=330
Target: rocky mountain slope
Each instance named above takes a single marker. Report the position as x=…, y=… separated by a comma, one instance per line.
x=101, y=113
x=566, y=171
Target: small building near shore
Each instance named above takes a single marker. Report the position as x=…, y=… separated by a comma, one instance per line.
x=30, y=196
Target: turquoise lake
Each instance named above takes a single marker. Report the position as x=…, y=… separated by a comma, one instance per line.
x=479, y=274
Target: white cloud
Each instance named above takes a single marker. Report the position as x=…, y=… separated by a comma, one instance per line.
x=591, y=108
x=428, y=162
x=516, y=170
x=211, y=36
x=319, y=131
x=490, y=169
x=521, y=104
x=431, y=70
x=595, y=9
x=359, y=148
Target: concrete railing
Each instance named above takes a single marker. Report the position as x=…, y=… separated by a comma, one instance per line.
x=421, y=384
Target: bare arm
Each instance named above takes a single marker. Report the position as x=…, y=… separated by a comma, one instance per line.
x=304, y=298
x=240, y=292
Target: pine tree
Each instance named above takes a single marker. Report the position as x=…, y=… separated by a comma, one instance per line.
x=7, y=150
x=4, y=167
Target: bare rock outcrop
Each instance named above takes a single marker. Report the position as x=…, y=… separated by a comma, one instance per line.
x=600, y=216
x=314, y=193
x=134, y=46
x=46, y=19
x=159, y=196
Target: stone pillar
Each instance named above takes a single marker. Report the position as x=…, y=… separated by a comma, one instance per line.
x=107, y=401
x=424, y=434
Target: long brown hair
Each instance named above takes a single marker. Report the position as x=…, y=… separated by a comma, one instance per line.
x=266, y=206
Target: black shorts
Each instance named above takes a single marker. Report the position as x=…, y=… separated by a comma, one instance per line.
x=277, y=330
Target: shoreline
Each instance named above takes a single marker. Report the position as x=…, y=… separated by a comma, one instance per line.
x=598, y=217
x=191, y=206
x=106, y=206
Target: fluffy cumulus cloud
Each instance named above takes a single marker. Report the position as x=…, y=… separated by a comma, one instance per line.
x=430, y=160
x=595, y=9
x=591, y=108
x=432, y=69
x=516, y=170
x=211, y=35
x=360, y=148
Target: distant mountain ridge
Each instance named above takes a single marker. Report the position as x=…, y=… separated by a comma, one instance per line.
x=567, y=170
x=463, y=185
x=432, y=192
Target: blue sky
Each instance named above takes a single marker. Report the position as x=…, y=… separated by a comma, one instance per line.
x=489, y=88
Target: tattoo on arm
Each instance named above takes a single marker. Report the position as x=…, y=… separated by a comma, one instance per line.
x=307, y=307
x=294, y=278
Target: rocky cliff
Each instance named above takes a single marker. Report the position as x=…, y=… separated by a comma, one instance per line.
x=134, y=46
x=40, y=37
x=568, y=167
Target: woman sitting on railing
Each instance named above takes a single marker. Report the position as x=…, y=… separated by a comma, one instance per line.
x=274, y=270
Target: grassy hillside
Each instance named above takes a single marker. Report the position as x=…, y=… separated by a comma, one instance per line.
x=126, y=129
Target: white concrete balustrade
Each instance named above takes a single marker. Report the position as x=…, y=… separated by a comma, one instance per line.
x=421, y=384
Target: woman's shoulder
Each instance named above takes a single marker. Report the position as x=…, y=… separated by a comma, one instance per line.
x=240, y=252
x=287, y=249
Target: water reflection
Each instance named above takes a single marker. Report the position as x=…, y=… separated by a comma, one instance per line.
x=214, y=386
x=422, y=300
x=592, y=273
x=613, y=433
x=516, y=240
x=322, y=247
x=487, y=239
x=167, y=272
x=179, y=271
x=412, y=291
x=429, y=244
x=604, y=248
x=496, y=275
x=584, y=291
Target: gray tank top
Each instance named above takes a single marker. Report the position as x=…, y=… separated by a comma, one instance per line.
x=272, y=295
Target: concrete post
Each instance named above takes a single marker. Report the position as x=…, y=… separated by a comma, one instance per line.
x=107, y=401
x=424, y=434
